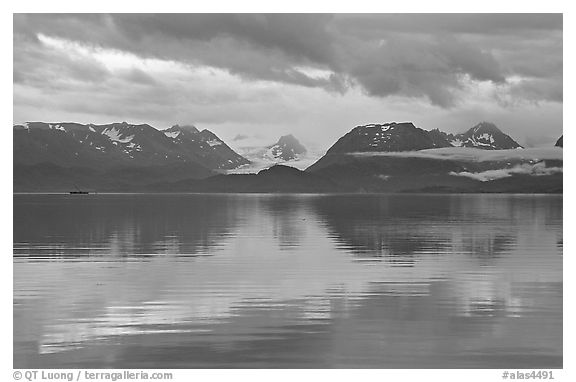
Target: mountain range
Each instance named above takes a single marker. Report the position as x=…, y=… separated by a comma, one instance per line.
x=388, y=157
x=396, y=137
x=399, y=157
x=120, y=144
x=53, y=156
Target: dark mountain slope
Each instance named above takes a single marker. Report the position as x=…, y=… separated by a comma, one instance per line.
x=48, y=177
x=560, y=142
x=277, y=179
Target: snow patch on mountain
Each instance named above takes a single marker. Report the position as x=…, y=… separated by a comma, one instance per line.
x=56, y=127
x=214, y=142
x=115, y=135
x=134, y=146
x=457, y=142
x=172, y=134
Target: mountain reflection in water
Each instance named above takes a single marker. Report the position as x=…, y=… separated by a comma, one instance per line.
x=195, y=281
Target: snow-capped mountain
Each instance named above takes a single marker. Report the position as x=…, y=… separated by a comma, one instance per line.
x=387, y=137
x=395, y=137
x=484, y=135
x=388, y=157
x=560, y=142
x=287, y=148
x=399, y=157
x=210, y=150
x=176, y=130
x=120, y=144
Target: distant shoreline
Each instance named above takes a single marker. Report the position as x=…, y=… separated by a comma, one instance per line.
x=290, y=193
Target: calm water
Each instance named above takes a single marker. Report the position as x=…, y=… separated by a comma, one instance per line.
x=190, y=281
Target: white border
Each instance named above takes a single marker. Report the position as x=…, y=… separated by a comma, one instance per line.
x=356, y=6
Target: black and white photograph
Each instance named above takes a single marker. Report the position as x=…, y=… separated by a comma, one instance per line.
x=288, y=191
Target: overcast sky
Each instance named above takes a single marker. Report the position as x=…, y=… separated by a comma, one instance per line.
x=255, y=77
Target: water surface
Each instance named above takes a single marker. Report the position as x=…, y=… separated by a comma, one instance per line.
x=285, y=281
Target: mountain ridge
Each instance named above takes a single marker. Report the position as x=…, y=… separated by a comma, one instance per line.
x=390, y=136
x=122, y=143
x=378, y=157
x=400, y=157
x=405, y=136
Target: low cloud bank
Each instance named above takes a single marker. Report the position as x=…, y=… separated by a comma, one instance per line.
x=474, y=155
x=537, y=169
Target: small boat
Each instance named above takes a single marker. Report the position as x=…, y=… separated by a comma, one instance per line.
x=78, y=191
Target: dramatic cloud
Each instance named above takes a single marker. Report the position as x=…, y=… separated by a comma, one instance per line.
x=278, y=72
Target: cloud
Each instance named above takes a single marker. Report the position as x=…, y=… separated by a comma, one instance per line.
x=45, y=68
x=434, y=57
x=315, y=76
x=538, y=169
x=437, y=68
x=500, y=24
x=240, y=137
x=475, y=155
x=303, y=37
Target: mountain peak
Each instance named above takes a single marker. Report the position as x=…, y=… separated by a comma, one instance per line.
x=176, y=130
x=560, y=142
x=289, y=140
x=387, y=137
x=488, y=127
x=287, y=148
x=486, y=135
x=190, y=128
